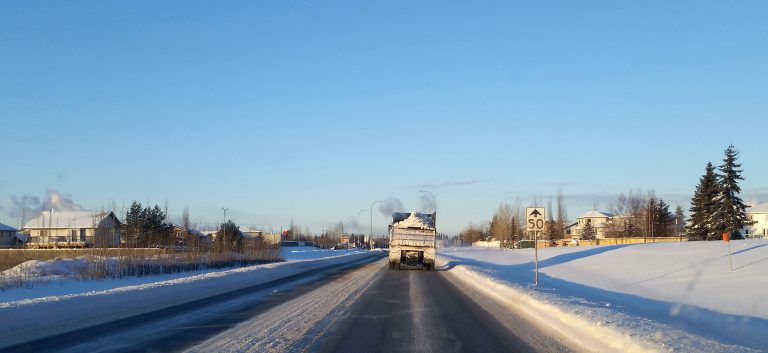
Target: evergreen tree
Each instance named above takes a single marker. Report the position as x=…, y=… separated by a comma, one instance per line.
x=551, y=232
x=228, y=237
x=679, y=220
x=662, y=218
x=703, y=206
x=731, y=211
x=146, y=226
x=132, y=228
x=588, y=233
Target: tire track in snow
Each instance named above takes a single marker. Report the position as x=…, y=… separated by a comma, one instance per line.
x=297, y=324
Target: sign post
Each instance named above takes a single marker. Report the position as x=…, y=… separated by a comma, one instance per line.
x=727, y=239
x=535, y=223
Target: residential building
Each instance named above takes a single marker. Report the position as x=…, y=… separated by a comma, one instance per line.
x=191, y=237
x=757, y=215
x=602, y=223
x=64, y=229
x=9, y=237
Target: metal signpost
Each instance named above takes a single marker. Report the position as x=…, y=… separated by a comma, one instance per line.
x=727, y=239
x=535, y=223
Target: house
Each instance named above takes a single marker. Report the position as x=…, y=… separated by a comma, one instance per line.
x=266, y=238
x=757, y=215
x=9, y=237
x=196, y=237
x=73, y=229
x=602, y=223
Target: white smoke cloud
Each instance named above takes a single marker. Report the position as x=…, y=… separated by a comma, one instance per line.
x=29, y=206
x=59, y=202
x=427, y=203
x=389, y=205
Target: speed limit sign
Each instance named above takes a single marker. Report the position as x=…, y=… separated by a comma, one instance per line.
x=535, y=218
x=535, y=224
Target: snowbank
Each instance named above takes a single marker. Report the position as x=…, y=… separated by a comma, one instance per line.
x=679, y=296
x=85, y=305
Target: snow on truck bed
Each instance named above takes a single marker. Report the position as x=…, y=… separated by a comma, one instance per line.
x=675, y=296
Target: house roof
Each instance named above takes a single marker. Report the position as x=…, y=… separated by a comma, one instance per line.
x=6, y=228
x=760, y=207
x=191, y=231
x=596, y=214
x=81, y=219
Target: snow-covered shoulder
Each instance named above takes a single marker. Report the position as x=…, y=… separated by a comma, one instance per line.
x=680, y=296
x=49, y=308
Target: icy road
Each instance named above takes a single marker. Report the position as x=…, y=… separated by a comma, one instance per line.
x=362, y=306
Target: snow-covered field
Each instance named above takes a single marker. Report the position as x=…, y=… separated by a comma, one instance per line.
x=659, y=296
x=63, y=304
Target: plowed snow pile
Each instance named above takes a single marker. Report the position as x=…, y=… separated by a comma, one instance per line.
x=675, y=296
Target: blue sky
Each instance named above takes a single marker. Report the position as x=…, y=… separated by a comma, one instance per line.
x=312, y=110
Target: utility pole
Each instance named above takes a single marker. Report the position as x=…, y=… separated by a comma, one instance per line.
x=434, y=219
x=358, y=221
x=370, y=235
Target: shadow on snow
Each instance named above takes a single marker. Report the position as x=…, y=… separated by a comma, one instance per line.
x=725, y=328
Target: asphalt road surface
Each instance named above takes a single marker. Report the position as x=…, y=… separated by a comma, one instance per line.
x=362, y=306
x=422, y=311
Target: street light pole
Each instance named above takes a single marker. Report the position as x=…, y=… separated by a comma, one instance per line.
x=370, y=235
x=433, y=198
x=434, y=219
x=358, y=220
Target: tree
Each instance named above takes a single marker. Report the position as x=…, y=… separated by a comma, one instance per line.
x=588, y=233
x=147, y=226
x=228, y=237
x=132, y=228
x=731, y=212
x=502, y=226
x=551, y=231
x=662, y=218
x=471, y=234
x=562, y=216
x=679, y=220
x=703, y=206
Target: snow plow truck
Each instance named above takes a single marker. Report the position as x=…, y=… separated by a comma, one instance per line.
x=412, y=240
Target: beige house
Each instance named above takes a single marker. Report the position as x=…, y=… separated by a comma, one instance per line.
x=757, y=214
x=197, y=238
x=73, y=229
x=602, y=223
x=267, y=238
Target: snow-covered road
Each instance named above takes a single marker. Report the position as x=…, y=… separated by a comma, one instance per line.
x=374, y=309
x=66, y=324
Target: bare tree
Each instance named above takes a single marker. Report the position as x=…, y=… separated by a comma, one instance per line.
x=503, y=225
x=562, y=216
x=472, y=233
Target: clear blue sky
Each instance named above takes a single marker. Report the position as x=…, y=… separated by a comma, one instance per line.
x=311, y=110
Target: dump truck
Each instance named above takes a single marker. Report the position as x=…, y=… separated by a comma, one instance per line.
x=412, y=240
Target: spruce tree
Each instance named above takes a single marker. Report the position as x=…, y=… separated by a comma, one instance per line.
x=731, y=211
x=679, y=220
x=662, y=218
x=703, y=206
x=588, y=233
